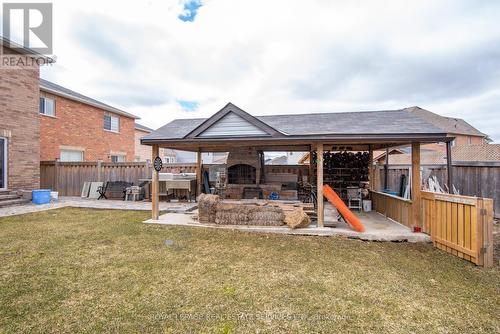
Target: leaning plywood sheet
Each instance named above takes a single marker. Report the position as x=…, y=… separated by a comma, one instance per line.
x=93, y=189
x=85, y=190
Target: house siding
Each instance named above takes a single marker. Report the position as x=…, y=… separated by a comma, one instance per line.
x=19, y=123
x=144, y=152
x=79, y=126
x=232, y=125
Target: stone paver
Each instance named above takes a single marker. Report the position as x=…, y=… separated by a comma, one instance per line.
x=95, y=204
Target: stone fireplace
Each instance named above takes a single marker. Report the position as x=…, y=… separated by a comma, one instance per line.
x=244, y=166
x=244, y=170
x=241, y=174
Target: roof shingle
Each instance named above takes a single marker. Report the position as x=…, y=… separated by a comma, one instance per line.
x=56, y=89
x=389, y=122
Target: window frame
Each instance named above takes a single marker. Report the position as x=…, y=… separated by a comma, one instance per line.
x=123, y=156
x=82, y=152
x=111, y=117
x=43, y=112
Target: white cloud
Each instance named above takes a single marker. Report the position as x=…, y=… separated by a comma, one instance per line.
x=282, y=56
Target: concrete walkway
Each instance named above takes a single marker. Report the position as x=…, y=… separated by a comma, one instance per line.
x=378, y=228
x=78, y=202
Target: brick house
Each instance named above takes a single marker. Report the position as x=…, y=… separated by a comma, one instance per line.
x=464, y=133
x=74, y=127
x=144, y=152
x=19, y=122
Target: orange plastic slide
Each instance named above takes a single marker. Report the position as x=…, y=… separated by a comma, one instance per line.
x=349, y=217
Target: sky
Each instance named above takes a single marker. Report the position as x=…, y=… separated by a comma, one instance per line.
x=170, y=59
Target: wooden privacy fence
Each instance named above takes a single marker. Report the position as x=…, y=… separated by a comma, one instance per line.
x=394, y=207
x=460, y=225
x=68, y=177
x=481, y=179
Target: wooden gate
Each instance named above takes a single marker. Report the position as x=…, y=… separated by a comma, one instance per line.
x=460, y=225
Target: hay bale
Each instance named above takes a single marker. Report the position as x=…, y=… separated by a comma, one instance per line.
x=207, y=206
x=266, y=216
x=297, y=218
x=248, y=214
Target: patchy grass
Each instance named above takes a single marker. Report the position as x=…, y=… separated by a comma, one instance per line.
x=80, y=270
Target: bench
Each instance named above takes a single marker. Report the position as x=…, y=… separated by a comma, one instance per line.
x=113, y=189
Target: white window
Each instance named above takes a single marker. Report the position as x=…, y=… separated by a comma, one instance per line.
x=453, y=142
x=469, y=140
x=112, y=123
x=71, y=155
x=169, y=160
x=117, y=158
x=47, y=106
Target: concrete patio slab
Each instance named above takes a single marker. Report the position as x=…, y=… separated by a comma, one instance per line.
x=378, y=228
x=79, y=202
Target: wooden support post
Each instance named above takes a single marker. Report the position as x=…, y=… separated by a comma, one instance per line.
x=371, y=172
x=155, y=184
x=416, y=185
x=199, y=173
x=319, y=185
x=386, y=169
x=310, y=178
x=449, y=167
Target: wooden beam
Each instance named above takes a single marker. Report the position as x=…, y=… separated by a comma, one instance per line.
x=319, y=185
x=155, y=184
x=416, y=196
x=199, y=166
x=449, y=167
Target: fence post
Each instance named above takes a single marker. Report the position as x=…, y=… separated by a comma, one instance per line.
x=145, y=174
x=56, y=175
x=99, y=170
x=485, y=232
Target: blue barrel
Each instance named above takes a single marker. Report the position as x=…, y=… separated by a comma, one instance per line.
x=40, y=196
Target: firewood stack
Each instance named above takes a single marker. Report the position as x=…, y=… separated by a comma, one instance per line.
x=343, y=169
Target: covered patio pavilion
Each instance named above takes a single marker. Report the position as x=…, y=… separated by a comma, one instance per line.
x=231, y=128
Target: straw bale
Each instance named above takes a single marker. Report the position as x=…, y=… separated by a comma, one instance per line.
x=297, y=218
x=207, y=206
x=248, y=214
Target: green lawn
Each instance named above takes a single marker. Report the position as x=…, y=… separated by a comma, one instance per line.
x=80, y=270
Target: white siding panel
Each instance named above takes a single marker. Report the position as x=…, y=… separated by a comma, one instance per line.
x=232, y=125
